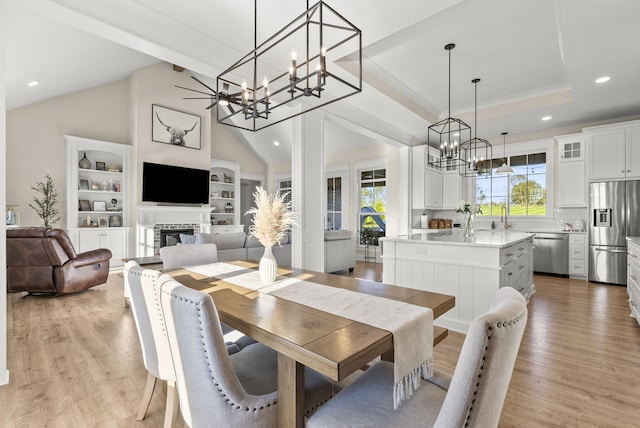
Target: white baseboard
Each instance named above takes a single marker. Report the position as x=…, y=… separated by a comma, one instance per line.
x=4, y=377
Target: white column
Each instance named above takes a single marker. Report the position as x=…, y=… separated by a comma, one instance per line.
x=4, y=373
x=307, y=165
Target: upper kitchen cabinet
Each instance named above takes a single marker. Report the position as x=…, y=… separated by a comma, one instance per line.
x=613, y=151
x=571, y=183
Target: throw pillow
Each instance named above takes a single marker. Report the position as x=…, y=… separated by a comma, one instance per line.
x=187, y=238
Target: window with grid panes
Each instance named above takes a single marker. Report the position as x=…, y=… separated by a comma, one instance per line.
x=524, y=192
x=373, y=205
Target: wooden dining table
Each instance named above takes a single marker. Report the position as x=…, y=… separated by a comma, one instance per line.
x=303, y=336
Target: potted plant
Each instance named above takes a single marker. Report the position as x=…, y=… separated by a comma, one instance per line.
x=45, y=206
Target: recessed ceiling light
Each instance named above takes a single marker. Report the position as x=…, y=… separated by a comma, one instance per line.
x=546, y=118
x=275, y=143
x=34, y=83
x=603, y=79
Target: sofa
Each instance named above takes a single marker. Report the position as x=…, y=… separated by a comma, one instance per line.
x=43, y=261
x=339, y=250
x=240, y=246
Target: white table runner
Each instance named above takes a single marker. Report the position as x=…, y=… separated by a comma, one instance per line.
x=411, y=325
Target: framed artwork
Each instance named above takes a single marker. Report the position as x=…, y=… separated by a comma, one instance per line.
x=84, y=205
x=175, y=127
x=99, y=206
x=101, y=166
x=83, y=184
x=103, y=222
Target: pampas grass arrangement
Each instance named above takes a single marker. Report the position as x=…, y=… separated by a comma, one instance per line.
x=272, y=217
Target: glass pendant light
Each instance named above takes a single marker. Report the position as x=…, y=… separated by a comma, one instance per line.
x=505, y=168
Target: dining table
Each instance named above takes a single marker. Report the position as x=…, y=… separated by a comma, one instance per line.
x=332, y=345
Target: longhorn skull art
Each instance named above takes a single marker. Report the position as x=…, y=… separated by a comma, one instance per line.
x=177, y=133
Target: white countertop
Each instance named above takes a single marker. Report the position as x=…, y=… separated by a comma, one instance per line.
x=634, y=239
x=492, y=238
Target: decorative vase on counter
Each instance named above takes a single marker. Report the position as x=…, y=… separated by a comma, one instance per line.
x=468, y=224
x=268, y=266
x=84, y=162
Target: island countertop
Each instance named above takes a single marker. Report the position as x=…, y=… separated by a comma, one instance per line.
x=493, y=238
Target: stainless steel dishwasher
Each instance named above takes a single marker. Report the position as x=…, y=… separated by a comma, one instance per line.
x=551, y=253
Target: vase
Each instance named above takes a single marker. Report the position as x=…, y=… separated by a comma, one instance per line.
x=468, y=224
x=84, y=162
x=268, y=267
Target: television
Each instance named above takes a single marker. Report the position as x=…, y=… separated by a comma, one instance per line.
x=174, y=184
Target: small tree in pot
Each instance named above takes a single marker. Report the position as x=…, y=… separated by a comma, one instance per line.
x=45, y=206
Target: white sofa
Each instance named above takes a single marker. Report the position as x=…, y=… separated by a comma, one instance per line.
x=339, y=250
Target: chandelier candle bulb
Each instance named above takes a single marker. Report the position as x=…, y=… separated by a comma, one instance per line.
x=293, y=70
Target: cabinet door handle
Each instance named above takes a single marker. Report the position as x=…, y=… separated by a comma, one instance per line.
x=633, y=277
x=509, y=254
x=632, y=303
x=633, y=255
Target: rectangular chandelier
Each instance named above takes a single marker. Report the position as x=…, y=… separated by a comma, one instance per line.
x=293, y=72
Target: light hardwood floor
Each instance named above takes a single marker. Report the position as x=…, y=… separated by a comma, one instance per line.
x=75, y=360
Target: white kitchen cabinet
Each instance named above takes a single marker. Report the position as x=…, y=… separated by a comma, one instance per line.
x=418, y=175
x=613, y=151
x=571, y=182
x=452, y=189
x=633, y=277
x=433, y=189
x=577, y=255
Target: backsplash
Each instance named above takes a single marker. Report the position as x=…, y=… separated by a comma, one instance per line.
x=545, y=224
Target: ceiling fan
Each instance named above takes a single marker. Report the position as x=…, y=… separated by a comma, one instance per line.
x=223, y=97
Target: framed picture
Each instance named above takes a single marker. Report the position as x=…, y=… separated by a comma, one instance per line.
x=101, y=166
x=99, y=206
x=103, y=221
x=84, y=205
x=115, y=221
x=175, y=127
x=83, y=184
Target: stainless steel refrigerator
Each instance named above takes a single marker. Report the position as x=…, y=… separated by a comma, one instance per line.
x=614, y=214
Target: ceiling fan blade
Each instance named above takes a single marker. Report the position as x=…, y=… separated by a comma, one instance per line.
x=231, y=108
x=212, y=104
x=194, y=90
x=197, y=98
x=204, y=84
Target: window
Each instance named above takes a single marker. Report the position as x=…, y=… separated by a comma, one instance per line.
x=334, y=203
x=523, y=193
x=284, y=186
x=373, y=205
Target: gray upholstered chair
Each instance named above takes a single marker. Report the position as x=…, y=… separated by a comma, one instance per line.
x=475, y=393
x=215, y=388
x=177, y=256
x=155, y=347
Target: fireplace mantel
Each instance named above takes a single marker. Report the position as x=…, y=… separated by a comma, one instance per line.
x=149, y=215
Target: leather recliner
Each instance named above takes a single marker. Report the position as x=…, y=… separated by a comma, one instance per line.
x=43, y=261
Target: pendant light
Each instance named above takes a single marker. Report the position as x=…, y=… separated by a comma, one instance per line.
x=505, y=168
x=447, y=134
x=476, y=152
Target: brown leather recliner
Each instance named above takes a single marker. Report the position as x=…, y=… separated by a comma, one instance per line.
x=43, y=261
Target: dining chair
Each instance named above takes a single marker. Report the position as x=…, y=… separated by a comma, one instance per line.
x=155, y=349
x=215, y=388
x=473, y=397
x=177, y=256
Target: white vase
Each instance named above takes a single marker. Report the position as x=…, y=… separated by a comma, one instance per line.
x=268, y=266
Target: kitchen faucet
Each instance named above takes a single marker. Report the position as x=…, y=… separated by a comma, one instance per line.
x=504, y=217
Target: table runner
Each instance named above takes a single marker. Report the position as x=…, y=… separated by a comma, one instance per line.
x=411, y=325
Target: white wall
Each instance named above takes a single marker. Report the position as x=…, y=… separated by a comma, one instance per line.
x=4, y=373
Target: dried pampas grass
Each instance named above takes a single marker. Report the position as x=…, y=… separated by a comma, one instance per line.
x=272, y=217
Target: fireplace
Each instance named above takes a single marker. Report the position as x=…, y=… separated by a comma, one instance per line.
x=169, y=237
x=167, y=234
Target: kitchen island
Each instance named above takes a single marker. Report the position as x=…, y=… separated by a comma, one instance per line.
x=471, y=269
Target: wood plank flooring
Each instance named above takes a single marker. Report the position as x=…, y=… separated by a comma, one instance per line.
x=75, y=361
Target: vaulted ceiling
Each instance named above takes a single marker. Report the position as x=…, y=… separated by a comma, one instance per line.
x=535, y=58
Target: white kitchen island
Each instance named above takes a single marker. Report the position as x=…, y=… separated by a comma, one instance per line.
x=471, y=269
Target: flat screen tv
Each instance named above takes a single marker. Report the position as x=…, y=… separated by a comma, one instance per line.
x=174, y=184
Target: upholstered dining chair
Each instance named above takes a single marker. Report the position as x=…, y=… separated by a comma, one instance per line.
x=215, y=388
x=472, y=397
x=155, y=347
x=177, y=256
